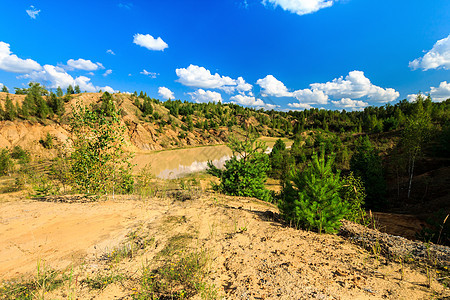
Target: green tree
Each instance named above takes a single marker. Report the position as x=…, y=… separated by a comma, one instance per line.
x=366, y=163
x=99, y=163
x=280, y=161
x=77, y=89
x=414, y=137
x=245, y=173
x=5, y=89
x=10, y=110
x=59, y=92
x=311, y=199
x=70, y=90
x=34, y=104
x=56, y=104
x=6, y=162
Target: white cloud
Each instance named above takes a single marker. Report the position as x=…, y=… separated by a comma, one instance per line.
x=300, y=106
x=33, y=12
x=149, y=74
x=55, y=76
x=300, y=7
x=165, y=93
x=242, y=86
x=308, y=96
x=202, y=96
x=437, y=57
x=202, y=78
x=441, y=93
x=347, y=103
x=149, y=42
x=11, y=63
x=91, y=73
x=109, y=51
x=356, y=85
x=107, y=72
x=251, y=101
x=84, y=64
x=437, y=94
x=273, y=87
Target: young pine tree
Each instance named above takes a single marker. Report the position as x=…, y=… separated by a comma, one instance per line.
x=311, y=198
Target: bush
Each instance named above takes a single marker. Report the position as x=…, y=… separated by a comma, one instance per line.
x=353, y=193
x=20, y=154
x=311, y=198
x=245, y=173
x=6, y=162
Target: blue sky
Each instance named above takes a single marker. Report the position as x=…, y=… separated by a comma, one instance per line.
x=282, y=54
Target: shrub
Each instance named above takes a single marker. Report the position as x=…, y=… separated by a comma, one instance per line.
x=311, y=198
x=99, y=163
x=245, y=173
x=6, y=162
x=22, y=155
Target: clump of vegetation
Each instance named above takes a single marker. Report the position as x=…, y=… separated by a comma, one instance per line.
x=246, y=172
x=99, y=163
x=6, y=162
x=180, y=278
x=366, y=163
x=44, y=281
x=311, y=198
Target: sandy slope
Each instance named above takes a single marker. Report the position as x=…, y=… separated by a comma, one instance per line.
x=251, y=255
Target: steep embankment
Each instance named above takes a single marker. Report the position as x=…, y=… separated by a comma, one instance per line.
x=142, y=134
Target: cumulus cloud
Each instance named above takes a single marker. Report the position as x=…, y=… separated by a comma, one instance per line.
x=308, y=96
x=273, y=87
x=33, y=12
x=109, y=51
x=202, y=96
x=200, y=77
x=251, y=101
x=56, y=76
x=440, y=93
x=347, y=103
x=299, y=106
x=149, y=74
x=149, y=42
x=356, y=85
x=165, y=93
x=437, y=94
x=84, y=64
x=11, y=63
x=107, y=72
x=437, y=57
x=300, y=7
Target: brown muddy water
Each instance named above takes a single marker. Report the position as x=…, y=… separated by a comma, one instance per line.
x=176, y=163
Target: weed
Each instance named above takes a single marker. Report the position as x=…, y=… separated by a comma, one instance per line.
x=101, y=281
x=45, y=280
x=177, y=279
x=133, y=244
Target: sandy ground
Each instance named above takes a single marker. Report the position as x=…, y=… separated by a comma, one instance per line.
x=251, y=255
x=61, y=233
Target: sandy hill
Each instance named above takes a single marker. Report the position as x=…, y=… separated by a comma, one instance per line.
x=141, y=135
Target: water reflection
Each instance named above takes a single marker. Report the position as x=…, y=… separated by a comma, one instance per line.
x=196, y=166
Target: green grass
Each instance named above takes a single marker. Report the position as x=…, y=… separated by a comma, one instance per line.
x=180, y=278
